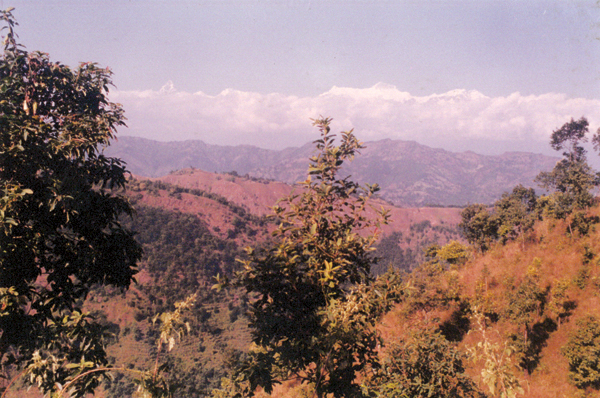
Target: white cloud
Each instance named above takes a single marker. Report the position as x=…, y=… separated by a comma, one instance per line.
x=382, y=111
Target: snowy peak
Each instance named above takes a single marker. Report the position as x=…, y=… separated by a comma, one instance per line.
x=388, y=92
x=381, y=91
x=460, y=95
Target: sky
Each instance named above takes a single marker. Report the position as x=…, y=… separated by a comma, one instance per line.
x=482, y=75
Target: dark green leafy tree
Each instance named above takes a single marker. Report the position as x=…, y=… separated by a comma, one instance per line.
x=423, y=364
x=59, y=210
x=583, y=352
x=525, y=303
x=572, y=178
x=525, y=307
x=513, y=215
x=478, y=226
x=309, y=321
x=516, y=212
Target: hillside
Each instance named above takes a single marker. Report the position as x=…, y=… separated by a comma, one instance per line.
x=510, y=317
x=410, y=174
x=191, y=233
x=402, y=239
x=514, y=314
x=564, y=271
x=256, y=195
x=189, y=236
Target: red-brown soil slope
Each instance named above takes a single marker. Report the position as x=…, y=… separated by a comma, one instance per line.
x=257, y=196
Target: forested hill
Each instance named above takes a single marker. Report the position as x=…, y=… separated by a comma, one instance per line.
x=193, y=225
x=410, y=174
x=403, y=238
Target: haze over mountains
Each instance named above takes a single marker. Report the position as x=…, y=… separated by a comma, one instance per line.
x=410, y=174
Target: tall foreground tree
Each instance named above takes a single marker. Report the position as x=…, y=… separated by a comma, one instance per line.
x=59, y=213
x=314, y=317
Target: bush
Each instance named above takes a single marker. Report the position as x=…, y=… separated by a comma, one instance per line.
x=424, y=364
x=583, y=352
x=454, y=253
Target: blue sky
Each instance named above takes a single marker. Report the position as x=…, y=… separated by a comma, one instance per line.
x=269, y=66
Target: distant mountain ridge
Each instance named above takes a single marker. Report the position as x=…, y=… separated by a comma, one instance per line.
x=410, y=174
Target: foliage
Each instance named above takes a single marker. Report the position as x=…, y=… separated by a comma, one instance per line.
x=516, y=212
x=556, y=205
x=423, y=364
x=582, y=277
x=182, y=255
x=180, y=252
x=59, y=227
x=454, y=253
x=154, y=186
x=390, y=254
x=432, y=285
x=152, y=383
x=583, y=353
x=478, y=226
x=525, y=303
x=405, y=251
x=525, y=308
x=572, y=176
x=303, y=283
x=498, y=371
x=559, y=304
x=529, y=347
x=582, y=223
x=61, y=360
x=513, y=215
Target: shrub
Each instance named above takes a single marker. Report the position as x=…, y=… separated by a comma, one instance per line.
x=424, y=364
x=583, y=352
x=454, y=253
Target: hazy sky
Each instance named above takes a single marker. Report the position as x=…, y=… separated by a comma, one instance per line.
x=482, y=75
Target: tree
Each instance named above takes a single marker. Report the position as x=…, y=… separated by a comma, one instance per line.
x=423, y=364
x=559, y=304
x=59, y=213
x=516, y=212
x=513, y=214
x=454, y=253
x=582, y=350
x=308, y=320
x=478, y=226
x=572, y=177
x=156, y=382
x=525, y=308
